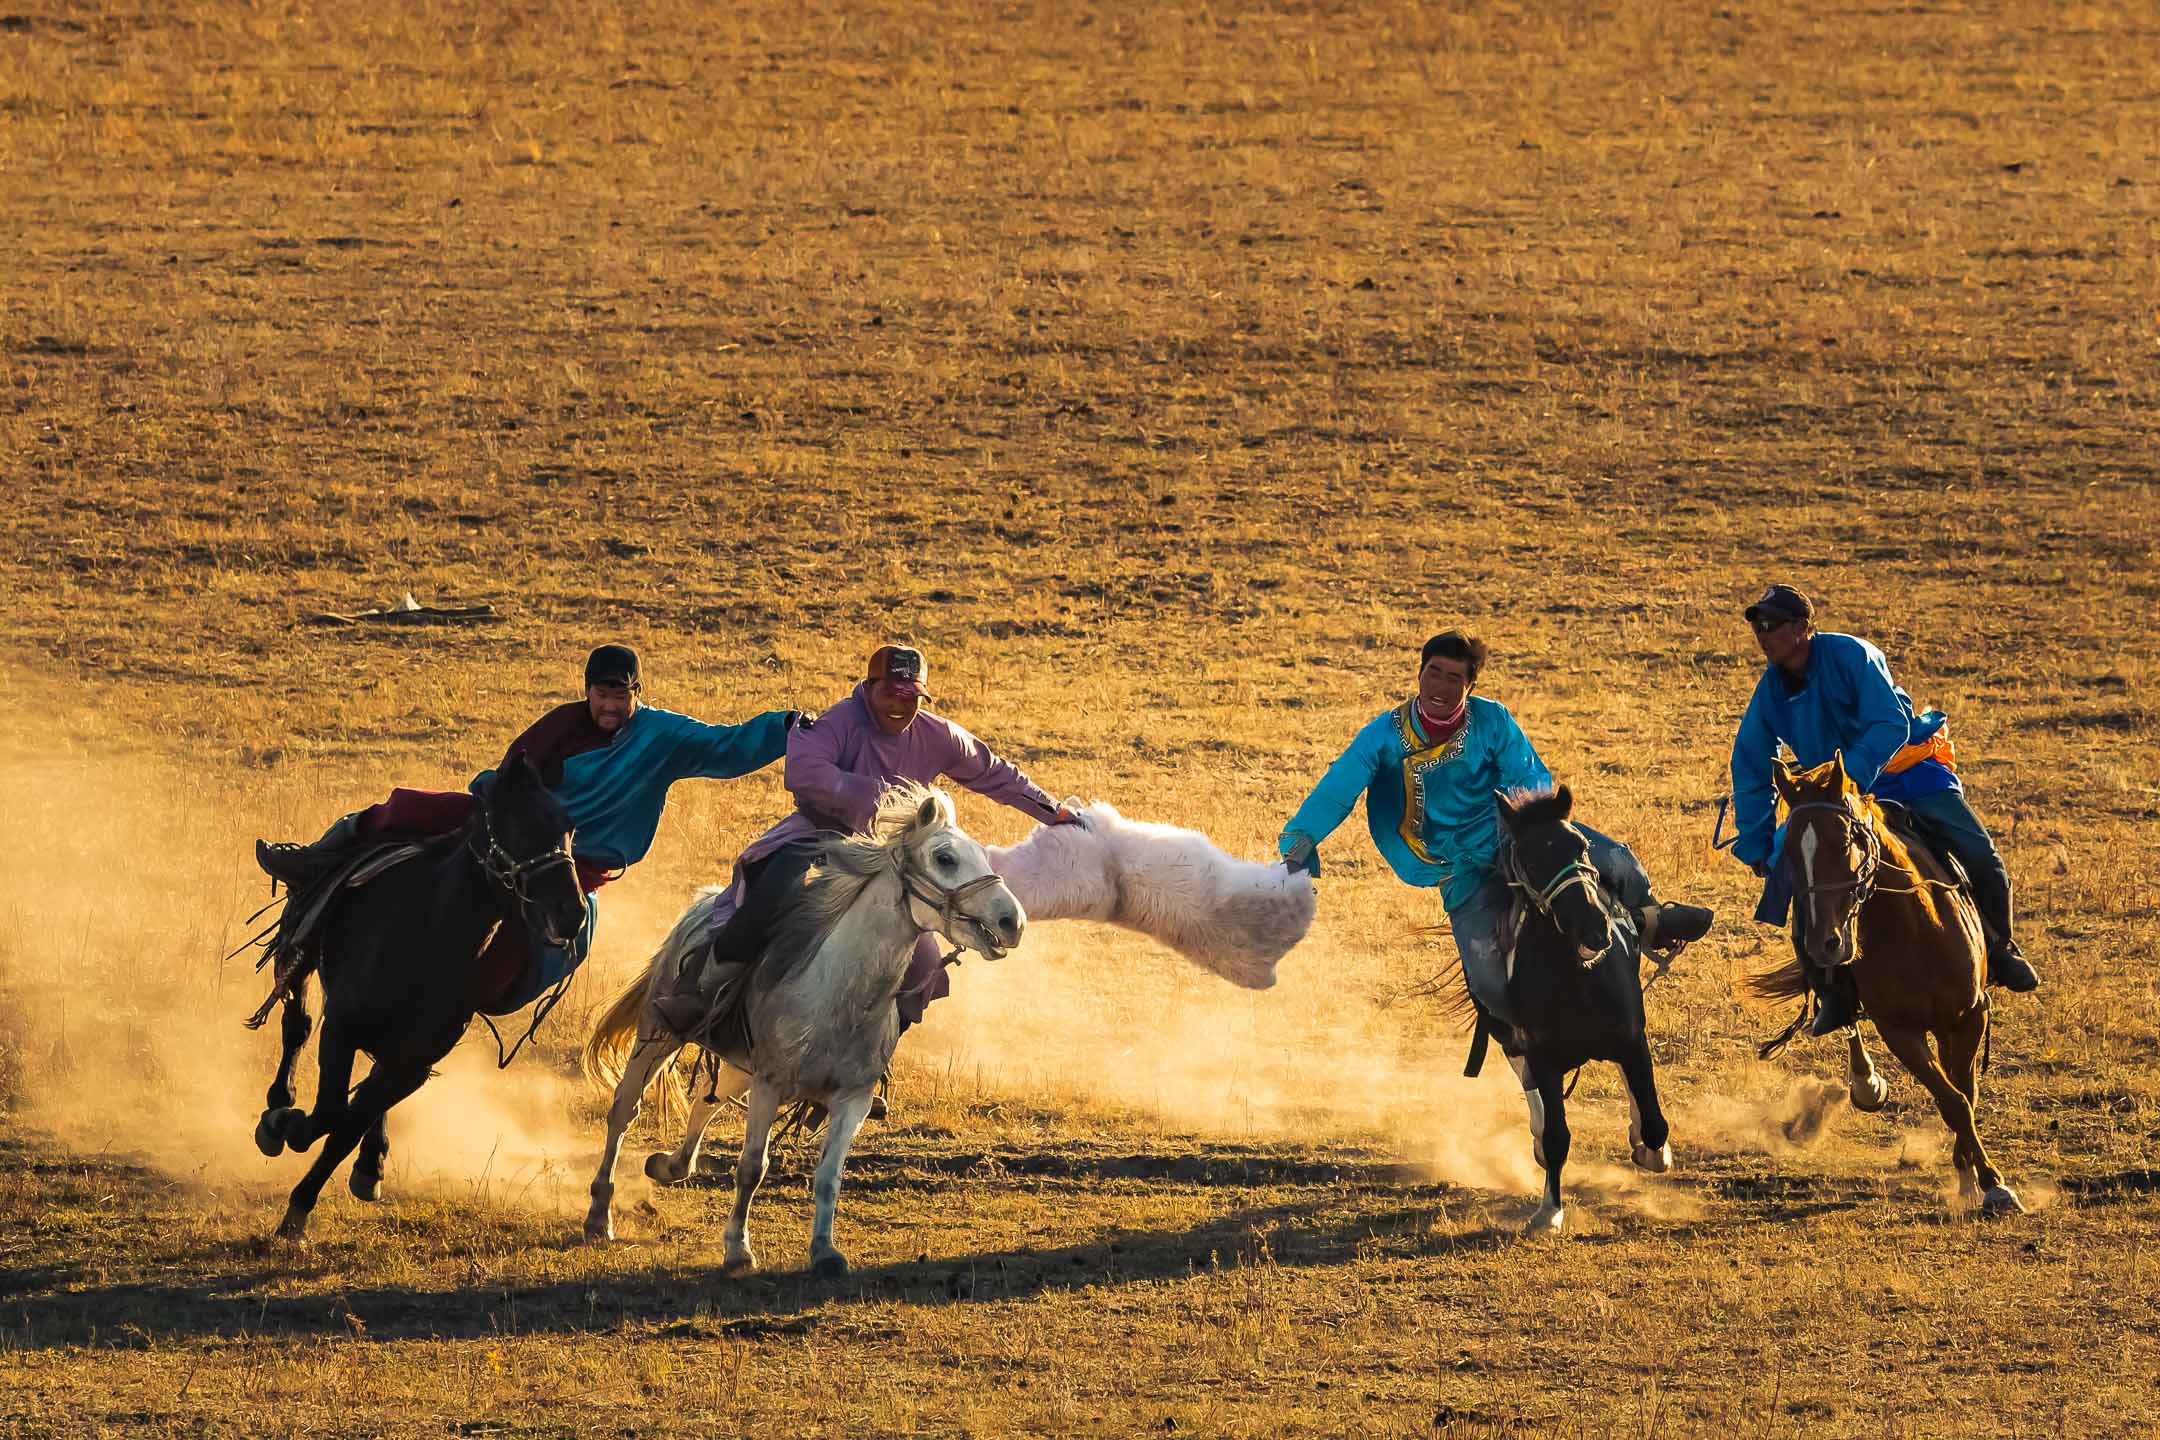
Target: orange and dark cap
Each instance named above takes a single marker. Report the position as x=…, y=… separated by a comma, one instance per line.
x=902, y=667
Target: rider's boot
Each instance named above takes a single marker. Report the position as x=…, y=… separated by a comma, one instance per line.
x=296, y=864
x=1668, y=926
x=1837, y=999
x=2008, y=967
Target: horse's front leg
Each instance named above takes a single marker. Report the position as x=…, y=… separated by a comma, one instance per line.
x=1552, y=1093
x=749, y=1174
x=848, y=1114
x=333, y=1087
x=294, y=1027
x=1649, y=1136
x=367, y=1168
x=1534, y=1102
x=1865, y=1084
x=673, y=1169
x=383, y=1088
x=644, y=1063
x=1960, y=1046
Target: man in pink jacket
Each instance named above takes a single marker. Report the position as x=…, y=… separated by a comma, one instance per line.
x=837, y=766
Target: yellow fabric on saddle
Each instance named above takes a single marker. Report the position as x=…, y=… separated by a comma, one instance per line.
x=1936, y=747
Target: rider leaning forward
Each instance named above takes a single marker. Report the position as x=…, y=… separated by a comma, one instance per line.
x=876, y=737
x=618, y=756
x=1822, y=693
x=1427, y=770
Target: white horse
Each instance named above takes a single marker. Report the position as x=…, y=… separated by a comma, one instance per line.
x=1231, y=917
x=818, y=1011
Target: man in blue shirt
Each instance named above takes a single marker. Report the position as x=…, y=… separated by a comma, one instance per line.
x=610, y=760
x=1427, y=770
x=1822, y=693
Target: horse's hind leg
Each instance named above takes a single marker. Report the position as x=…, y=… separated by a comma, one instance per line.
x=384, y=1087
x=1960, y=1046
x=1649, y=1136
x=1864, y=1083
x=848, y=1114
x=638, y=1071
x=749, y=1174
x=294, y=1027
x=673, y=1169
x=367, y=1168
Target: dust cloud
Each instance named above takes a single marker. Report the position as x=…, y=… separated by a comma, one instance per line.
x=119, y=1020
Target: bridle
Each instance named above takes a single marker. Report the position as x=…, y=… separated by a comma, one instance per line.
x=1577, y=872
x=946, y=900
x=506, y=870
x=1858, y=833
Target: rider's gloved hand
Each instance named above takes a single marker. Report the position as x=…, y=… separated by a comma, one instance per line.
x=801, y=719
x=1299, y=852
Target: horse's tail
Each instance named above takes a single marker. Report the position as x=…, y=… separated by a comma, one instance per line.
x=1784, y=983
x=608, y=1047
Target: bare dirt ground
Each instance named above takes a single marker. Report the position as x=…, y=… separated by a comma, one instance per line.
x=1168, y=372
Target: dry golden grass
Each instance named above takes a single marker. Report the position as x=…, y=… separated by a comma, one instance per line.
x=1169, y=372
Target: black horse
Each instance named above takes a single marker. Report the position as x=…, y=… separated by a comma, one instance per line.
x=397, y=959
x=1574, y=986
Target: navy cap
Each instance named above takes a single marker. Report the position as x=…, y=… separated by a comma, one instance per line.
x=1781, y=602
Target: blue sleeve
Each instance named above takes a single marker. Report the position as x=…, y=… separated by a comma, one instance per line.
x=1340, y=789
x=1517, y=762
x=721, y=752
x=1754, y=797
x=1883, y=724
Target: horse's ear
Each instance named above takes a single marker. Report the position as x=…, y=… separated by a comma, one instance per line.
x=1781, y=775
x=926, y=814
x=1505, y=807
x=551, y=772
x=1567, y=801
x=1841, y=774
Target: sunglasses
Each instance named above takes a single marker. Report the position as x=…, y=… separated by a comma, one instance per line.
x=1767, y=623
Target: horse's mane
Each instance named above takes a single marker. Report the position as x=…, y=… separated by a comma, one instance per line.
x=1543, y=807
x=844, y=869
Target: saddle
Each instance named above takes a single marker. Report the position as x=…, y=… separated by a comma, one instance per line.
x=290, y=939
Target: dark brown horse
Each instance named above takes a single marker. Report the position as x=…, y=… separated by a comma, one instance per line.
x=1914, y=943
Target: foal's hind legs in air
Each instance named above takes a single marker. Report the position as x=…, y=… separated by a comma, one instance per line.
x=294, y=1027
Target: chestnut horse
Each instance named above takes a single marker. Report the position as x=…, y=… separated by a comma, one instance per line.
x=1913, y=940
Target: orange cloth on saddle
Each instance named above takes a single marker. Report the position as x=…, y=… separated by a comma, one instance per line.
x=1936, y=747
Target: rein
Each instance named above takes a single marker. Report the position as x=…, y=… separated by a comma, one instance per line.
x=506, y=870
x=947, y=901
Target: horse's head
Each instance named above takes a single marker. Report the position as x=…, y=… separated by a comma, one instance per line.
x=1832, y=851
x=951, y=886
x=1550, y=866
x=524, y=845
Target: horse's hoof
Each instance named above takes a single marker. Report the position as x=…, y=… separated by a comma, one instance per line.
x=268, y=1138
x=660, y=1168
x=599, y=1229
x=366, y=1185
x=829, y=1267
x=1657, y=1161
x=293, y=1228
x=741, y=1264
x=1999, y=1201
x=1870, y=1093
x=1549, y=1220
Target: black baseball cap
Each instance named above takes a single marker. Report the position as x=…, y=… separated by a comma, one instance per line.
x=612, y=665
x=1781, y=602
